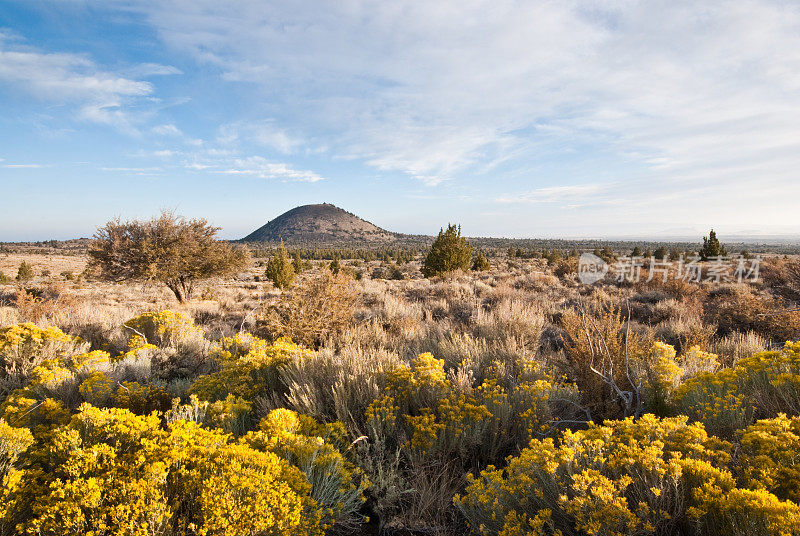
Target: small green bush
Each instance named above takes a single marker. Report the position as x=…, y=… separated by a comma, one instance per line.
x=449, y=252
x=24, y=272
x=481, y=263
x=280, y=269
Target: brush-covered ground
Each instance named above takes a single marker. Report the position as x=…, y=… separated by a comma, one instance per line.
x=511, y=401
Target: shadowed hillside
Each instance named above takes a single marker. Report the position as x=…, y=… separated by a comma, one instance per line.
x=318, y=223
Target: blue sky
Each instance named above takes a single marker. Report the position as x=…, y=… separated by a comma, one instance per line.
x=524, y=119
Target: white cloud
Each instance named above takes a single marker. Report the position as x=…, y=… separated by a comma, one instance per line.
x=144, y=70
x=258, y=166
x=100, y=96
x=24, y=166
x=553, y=194
x=442, y=89
x=167, y=130
x=263, y=133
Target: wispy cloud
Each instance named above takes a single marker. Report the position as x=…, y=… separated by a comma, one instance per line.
x=572, y=195
x=167, y=130
x=260, y=167
x=144, y=70
x=23, y=166
x=101, y=96
x=440, y=90
x=263, y=133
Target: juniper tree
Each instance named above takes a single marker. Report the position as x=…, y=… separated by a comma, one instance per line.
x=711, y=247
x=481, y=264
x=449, y=252
x=280, y=269
x=24, y=272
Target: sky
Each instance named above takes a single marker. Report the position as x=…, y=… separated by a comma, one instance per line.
x=513, y=118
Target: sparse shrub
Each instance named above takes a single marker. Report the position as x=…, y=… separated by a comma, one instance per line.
x=297, y=264
x=280, y=269
x=337, y=386
x=23, y=347
x=685, y=332
x=208, y=294
x=3, y=278
x=736, y=346
x=395, y=273
x=606, y=360
x=163, y=329
x=48, y=304
x=511, y=319
x=448, y=253
x=740, y=308
x=317, y=310
x=334, y=266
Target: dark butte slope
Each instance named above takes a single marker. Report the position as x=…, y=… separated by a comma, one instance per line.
x=318, y=223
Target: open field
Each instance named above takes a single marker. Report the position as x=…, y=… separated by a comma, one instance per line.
x=415, y=383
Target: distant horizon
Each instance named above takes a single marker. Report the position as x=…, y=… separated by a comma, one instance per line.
x=559, y=119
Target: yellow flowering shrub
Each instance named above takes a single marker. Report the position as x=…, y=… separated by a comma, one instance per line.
x=111, y=472
x=232, y=414
x=695, y=361
x=248, y=375
x=663, y=376
x=315, y=449
x=770, y=456
x=102, y=474
x=431, y=414
x=13, y=442
x=224, y=488
x=624, y=477
x=20, y=410
x=162, y=329
x=23, y=347
x=760, y=386
x=97, y=389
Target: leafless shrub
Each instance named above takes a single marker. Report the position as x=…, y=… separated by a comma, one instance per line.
x=311, y=314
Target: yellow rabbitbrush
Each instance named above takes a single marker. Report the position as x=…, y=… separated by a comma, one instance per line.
x=651, y=476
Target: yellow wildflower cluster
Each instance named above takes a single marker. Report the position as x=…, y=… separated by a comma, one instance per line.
x=110, y=472
x=761, y=385
x=162, y=329
x=315, y=449
x=24, y=346
x=650, y=476
x=431, y=414
x=13, y=442
x=770, y=458
x=248, y=370
x=663, y=376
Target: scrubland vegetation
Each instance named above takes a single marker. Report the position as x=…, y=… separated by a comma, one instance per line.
x=504, y=400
